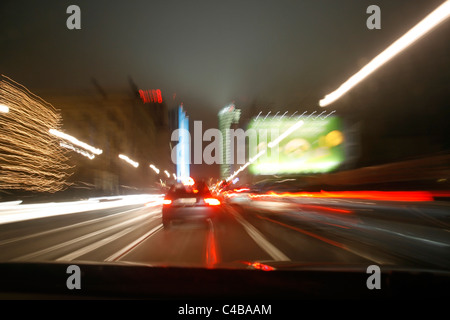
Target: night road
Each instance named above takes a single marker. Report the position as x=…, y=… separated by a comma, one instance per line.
x=267, y=151
x=300, y=231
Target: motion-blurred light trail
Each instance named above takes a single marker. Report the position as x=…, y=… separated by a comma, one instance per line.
x=80, y=151
x=366, y=195
x=249, y=162
x=432, y=20
x=154, y=168
x=271, y=145
x=75, y=141
x=127, y=159
x=21, y=212
x=31, y=158
x=285, y=134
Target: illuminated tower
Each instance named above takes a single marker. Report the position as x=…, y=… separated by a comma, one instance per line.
x=180, y=121
x=228, y=116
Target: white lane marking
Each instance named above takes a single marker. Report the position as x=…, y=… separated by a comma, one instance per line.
x=410, y=237
x=73, y=241
x=79, y=224
x=95, y=245
x=260, y=240
x=125, y=250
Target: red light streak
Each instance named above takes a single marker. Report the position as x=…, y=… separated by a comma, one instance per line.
x=307, y=206
x=259, y=265
x=211, y=248
x=365, y=195
x=443, y=194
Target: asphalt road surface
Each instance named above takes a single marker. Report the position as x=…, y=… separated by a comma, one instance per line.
x=299, y=231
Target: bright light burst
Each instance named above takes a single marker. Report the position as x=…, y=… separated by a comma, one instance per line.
x=4, y=109
x=30, y=158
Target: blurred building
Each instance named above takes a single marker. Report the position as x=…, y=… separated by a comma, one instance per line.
x=228, y=118
x=119, y=123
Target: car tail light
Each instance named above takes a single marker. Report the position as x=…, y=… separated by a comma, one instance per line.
x=259, y=265
x=212, y=201
x=167, y=201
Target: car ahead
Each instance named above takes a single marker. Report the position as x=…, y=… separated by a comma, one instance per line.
x=189, y=202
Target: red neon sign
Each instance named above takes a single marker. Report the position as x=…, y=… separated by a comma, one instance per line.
x=151, y=96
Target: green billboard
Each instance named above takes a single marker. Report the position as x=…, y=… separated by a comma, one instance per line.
x=316, y=146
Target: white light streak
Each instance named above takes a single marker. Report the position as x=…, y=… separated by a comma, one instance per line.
x=428, y=23
x=75, y=141
x=154, y=168
x=249, y=162
x=271, y=144
x=24, y=212
x=275, y=142
x=82, y=152
x=133, y=163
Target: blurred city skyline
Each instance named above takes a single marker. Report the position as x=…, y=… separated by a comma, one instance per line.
x=262, y=56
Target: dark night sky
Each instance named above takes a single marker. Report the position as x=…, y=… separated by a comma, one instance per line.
x=283, y=55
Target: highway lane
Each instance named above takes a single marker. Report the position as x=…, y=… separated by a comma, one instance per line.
x=52, y=238
x=301, y=232
x=386, y=232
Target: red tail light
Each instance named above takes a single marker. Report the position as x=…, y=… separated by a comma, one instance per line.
x=212, y=201
x=167, y=201
x=259, y=265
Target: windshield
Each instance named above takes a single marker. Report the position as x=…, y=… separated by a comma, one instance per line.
x=238, y=135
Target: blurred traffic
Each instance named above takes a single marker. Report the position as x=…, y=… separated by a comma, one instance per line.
x=408, y=229
x=260, y=136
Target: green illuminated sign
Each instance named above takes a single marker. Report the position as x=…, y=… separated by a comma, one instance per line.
x=315, y=147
